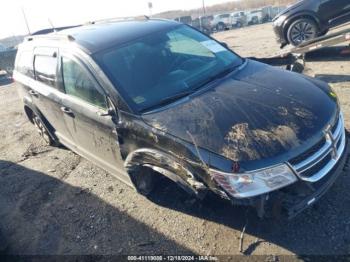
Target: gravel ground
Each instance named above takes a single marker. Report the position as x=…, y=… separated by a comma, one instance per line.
x=54, y=202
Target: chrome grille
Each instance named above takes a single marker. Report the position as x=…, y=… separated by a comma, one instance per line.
x=318, y=164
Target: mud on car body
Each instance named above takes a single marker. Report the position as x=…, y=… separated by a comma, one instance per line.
x=153, y=98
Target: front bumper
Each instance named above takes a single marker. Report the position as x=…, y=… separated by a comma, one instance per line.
x=280, y=36
x=290, y=201
x=318, y=189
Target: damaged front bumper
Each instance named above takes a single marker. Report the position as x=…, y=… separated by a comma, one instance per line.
x=292, y=200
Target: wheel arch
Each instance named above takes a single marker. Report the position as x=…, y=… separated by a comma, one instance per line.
x=292, y=19
x=32, y=110
x=166, y=165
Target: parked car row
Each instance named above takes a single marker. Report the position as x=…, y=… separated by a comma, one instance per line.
x=237, y=19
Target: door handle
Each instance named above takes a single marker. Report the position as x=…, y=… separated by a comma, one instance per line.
x=33, y=93
x=66, y=110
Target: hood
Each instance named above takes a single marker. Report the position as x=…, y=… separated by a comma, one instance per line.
x=256, y=113
x=289, y=8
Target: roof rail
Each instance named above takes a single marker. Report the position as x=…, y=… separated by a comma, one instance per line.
x=119, y=19
x=54, y=36
x=53, y=30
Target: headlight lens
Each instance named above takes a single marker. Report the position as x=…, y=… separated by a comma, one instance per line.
x=254, y=183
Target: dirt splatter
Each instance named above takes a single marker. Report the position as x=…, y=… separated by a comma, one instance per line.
x=283, y=111
x=244, y=144
x=303, y=113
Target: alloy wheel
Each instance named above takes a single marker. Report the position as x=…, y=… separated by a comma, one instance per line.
x=42, y=130
x=302, y=31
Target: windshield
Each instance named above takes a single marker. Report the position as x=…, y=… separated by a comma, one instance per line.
x=161, y=65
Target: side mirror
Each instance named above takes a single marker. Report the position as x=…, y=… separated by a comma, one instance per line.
x=225, y=45
x=109, y=112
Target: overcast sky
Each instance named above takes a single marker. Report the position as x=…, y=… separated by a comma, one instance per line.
x=70, y=12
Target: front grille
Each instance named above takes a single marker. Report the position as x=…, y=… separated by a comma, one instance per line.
x=305, y=155
x=319, y=160
x=318, y=167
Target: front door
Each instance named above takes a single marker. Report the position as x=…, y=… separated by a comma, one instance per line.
x=85, y=106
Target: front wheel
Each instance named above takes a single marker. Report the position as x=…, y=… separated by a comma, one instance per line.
x=302, y=30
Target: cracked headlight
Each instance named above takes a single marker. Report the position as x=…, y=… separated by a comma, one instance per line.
x=254, y=183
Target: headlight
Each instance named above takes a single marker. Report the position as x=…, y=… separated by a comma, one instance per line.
x=254, y=183
x=279, y=20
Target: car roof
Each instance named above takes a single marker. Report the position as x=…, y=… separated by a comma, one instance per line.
x=95, y=37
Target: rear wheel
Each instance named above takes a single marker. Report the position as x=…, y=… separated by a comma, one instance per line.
x=302, y=30
x=40, y=126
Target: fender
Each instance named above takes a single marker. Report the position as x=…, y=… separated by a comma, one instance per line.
x=302, y=14
x=168, y=166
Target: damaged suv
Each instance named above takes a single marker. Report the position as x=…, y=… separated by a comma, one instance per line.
x=150, y=98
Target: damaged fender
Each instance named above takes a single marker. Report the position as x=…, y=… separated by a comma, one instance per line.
x=166, y=165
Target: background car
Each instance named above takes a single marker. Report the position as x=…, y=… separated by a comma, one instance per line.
x=254, y=17
x=221, y=22
x=308, y=19
x=238, y=19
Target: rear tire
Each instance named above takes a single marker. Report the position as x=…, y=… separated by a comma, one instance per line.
x=302, y=30
x=42, y=130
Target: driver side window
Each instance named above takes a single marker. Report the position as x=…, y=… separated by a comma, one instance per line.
x=78, y=83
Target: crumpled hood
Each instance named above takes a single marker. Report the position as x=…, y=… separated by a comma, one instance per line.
x=256, y=113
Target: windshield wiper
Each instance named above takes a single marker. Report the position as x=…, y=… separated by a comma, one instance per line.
x=169, y=100
x=173, y=98
x=219, y=75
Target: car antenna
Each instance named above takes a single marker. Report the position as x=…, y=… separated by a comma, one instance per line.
x=50, y=22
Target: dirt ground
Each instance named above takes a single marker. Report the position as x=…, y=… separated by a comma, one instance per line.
x=54, y=202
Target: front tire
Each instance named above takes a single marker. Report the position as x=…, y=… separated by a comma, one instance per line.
x=302, y=30
x=144, y=180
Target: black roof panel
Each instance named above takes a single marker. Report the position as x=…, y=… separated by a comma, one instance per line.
x=100, y=36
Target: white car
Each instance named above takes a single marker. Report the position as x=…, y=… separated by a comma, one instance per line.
x=221, y=22
x=254, y=17
x=238, y=19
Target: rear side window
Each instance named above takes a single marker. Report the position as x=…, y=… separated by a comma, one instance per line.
x=45, y=69
x=78, y=83
x=25, y=63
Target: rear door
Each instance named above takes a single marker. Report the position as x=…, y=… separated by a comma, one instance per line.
x=335, y=12
x=45, y=93
x=86, y=106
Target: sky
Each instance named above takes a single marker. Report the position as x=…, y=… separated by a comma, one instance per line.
x=71, y=12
